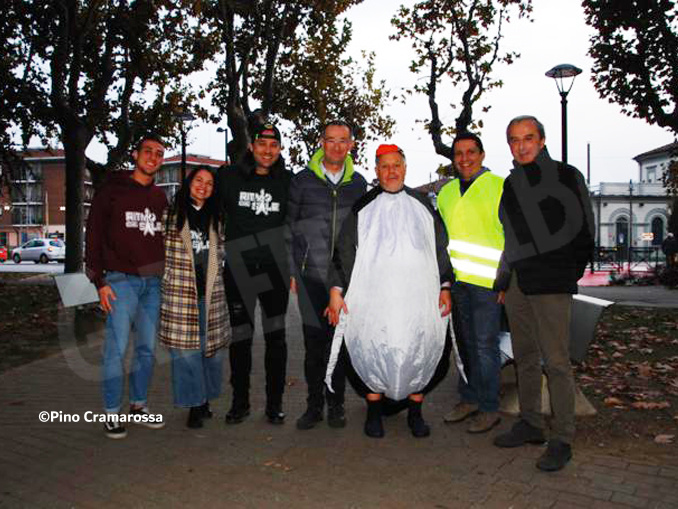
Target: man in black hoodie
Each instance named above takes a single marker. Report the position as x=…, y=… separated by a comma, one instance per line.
x=548, y=222
x=125, y=260
x=254, y=196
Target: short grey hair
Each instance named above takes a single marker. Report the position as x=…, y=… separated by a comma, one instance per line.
x=338, y=123
x=523, y=118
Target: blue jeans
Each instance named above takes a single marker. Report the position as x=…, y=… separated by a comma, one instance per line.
x=137, y=302
x=480, y=317
x=196, y=379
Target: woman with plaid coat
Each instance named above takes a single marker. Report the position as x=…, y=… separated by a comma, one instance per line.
x=194, y=322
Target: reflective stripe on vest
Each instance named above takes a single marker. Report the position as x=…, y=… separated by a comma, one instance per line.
x=474, y=250
x=474, y=269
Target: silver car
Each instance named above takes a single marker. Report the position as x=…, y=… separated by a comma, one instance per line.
x=40, y=251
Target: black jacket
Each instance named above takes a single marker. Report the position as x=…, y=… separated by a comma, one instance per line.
x=347, y=244
x=548, y=223
x=316, y=210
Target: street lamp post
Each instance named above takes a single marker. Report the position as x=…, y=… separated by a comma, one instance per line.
x=630, y=235
x=225, y=131
x=184, y=118
x=564, y=75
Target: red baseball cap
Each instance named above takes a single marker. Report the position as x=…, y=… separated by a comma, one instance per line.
x=388, y=149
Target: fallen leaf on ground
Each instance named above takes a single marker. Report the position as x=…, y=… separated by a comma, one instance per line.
x=664, y=439
x=645, y=371
x=615, y=402
x=650, y=405
x=663, y=367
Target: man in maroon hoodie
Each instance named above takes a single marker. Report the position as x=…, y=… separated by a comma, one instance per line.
x=125, y=257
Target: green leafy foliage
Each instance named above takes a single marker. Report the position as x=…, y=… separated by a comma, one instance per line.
x=287, y=60
x=634, y=49
x=87, y=68
x=320, y=83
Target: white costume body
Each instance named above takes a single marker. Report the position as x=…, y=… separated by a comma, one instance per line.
x=393, y=331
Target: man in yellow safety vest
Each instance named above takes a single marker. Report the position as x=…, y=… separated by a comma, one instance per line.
x=469, y=206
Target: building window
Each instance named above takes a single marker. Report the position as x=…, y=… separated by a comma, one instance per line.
x=89, y=192
x=21, y=192
x=27, y=215
x=168, y=175
x=658, y=230
x=30, y=173
x=3, y=238
x=651, y=173
x=622, y=228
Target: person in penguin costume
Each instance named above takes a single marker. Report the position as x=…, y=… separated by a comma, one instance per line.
x=390, y=296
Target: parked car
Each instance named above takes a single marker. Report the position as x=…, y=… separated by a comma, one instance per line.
x=3, y=254
x=40, y=251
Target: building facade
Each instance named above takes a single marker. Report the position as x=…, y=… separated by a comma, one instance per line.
x=635, y=214
x=33, y=204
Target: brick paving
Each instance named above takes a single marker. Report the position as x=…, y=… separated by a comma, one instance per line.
x=255, y=464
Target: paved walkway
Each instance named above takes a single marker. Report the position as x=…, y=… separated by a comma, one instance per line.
x=255, y=464
x=646, y=296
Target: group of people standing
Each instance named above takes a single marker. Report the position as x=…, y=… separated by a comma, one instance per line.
x=375, y=272
x=192, y=272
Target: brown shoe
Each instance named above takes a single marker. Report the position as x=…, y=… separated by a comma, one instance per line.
x=484, y=422
x=460, y=412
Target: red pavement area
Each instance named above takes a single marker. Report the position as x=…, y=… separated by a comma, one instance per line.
x=598, y=278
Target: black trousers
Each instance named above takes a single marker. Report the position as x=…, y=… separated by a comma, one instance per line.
x=318, y=334
x=243, y=282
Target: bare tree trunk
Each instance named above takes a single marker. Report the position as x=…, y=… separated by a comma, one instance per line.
x=75, y=139
x=237, y=122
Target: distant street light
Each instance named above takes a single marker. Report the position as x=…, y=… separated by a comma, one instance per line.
x=564, y=75
x=225, y=131
x=184, y=117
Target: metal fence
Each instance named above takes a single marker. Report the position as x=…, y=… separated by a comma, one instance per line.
x=638, y=259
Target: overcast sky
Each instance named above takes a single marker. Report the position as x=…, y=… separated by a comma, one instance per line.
x=558, y=34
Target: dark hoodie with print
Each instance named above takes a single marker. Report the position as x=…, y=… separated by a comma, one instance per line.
x=124, y=229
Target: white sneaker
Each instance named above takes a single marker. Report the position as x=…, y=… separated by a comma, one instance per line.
x=147, y=418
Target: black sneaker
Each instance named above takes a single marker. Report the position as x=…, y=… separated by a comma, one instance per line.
x=521, y=433
x=557, y=455
x=311, y=417
x=336, y=417
x=237, y=414
x=114, y=429
x=275, y=415
x=151, y=421
x=195, y=416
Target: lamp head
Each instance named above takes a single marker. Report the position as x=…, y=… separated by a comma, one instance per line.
x=564, y=75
